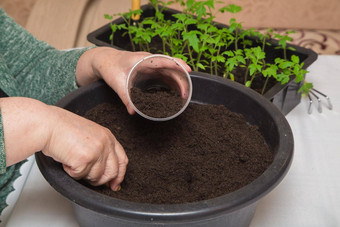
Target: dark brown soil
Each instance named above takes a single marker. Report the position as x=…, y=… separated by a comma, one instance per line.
x=205, y=152
x=157, y=103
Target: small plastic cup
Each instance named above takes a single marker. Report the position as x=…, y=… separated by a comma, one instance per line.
x=158, y=72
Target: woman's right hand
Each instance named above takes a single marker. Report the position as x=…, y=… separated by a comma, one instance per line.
x=113, y=67
x=86, y=149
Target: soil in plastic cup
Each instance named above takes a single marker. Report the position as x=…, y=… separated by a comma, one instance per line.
x=156, y=74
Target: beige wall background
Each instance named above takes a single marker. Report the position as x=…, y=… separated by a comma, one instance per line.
x=311, y=14
x=65, y=23
x=307, y=14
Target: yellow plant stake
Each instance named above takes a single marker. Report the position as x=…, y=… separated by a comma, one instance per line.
x=135, y=6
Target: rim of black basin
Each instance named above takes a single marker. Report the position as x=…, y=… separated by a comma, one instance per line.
x=90, y=199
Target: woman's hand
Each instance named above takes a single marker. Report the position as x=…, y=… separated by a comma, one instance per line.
x=111, y=65
x=86, y=149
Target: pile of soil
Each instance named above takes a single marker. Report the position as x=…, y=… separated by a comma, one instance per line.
x=167, y=103
x=206, y=152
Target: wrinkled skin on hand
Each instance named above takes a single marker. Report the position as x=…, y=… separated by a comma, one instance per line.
x=86, y=149
x=113, y=66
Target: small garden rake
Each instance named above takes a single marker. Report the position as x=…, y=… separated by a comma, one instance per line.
x=313, y=92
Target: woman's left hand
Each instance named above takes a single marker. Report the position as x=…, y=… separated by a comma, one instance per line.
x=112, y=66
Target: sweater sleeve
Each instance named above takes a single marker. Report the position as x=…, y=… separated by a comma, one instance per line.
x=39, y=70
x=2, y=149
x=32, y=68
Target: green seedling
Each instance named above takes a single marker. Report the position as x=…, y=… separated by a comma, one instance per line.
x=268, y=72
x=114, y=27
x=265, y=37
x=255, y=61
x=128, y=26
x=283, y=39
x=193, y=36
x=234, y=59
x=290, y=68
x=234, y=27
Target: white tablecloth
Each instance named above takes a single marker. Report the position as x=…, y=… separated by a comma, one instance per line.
x=308, y=196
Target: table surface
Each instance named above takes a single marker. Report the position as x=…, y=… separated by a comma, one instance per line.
x=308, y=196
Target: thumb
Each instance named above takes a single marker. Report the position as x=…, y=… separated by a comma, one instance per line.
x=130, y=109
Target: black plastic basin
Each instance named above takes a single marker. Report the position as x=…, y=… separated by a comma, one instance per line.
x=233, y=209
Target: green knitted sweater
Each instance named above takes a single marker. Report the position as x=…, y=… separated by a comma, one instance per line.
x=30, y=68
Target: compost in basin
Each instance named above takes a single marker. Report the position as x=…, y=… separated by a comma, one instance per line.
x=206, y=152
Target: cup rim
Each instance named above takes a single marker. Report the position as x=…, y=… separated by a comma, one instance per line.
x=155, y=118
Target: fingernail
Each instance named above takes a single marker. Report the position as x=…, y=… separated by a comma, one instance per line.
x=130, y=110
x=118, y=188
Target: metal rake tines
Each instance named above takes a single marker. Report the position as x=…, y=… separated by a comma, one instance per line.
x=313, y=91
